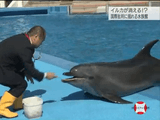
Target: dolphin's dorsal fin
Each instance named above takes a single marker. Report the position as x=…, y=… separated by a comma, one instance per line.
x=146, y=49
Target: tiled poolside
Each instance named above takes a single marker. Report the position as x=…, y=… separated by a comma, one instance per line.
x=65, y=102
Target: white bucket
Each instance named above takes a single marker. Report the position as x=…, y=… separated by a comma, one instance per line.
x=32, y=107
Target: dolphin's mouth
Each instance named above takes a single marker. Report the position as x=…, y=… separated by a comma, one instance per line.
x=73, y=78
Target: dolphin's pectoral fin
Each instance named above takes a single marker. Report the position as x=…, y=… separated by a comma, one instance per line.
x=116, y=99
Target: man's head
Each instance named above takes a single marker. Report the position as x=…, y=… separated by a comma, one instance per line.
x=37, y=35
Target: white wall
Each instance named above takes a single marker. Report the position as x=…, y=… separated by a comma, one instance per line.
x=24, y=2
x=15, y=4
x=19, y=3
x=101, y=9
x=2, y=4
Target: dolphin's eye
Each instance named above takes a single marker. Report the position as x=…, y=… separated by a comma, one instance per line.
x=91, y=77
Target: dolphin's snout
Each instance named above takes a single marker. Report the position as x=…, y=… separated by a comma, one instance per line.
x=67, y=74
x=64, y=73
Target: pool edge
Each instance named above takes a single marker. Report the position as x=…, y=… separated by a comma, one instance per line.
x=62, y=63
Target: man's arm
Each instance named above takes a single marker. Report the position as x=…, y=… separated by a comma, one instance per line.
x=26, y=56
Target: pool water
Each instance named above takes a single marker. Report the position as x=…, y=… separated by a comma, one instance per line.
x=87, y=38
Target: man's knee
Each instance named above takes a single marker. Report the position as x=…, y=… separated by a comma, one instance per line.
x=18, y=89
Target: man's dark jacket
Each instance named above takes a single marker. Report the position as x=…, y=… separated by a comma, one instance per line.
x=16, y=53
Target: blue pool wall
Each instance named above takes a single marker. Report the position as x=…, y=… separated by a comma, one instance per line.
x=59, y=62
x=34, y=10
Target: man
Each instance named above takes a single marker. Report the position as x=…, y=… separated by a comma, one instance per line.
x=16, y=55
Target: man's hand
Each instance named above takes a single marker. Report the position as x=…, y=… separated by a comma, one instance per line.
x=29, y=78
x=50, y=75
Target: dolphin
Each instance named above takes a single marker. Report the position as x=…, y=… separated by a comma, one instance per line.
x=113, y=80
